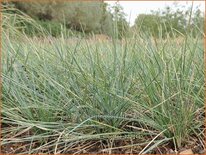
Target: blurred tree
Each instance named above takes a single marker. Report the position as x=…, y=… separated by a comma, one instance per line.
x=121, y=26
x=80, y=16
x=37, y=10
x=172, y=20
x=106, y=21
x=198, y=21
x=147, y=23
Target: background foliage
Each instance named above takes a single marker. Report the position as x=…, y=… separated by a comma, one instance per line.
x=101, y=18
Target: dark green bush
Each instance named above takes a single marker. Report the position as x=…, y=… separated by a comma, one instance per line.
x=53, y=28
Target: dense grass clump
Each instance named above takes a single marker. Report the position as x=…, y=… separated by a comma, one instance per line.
x=63, y=96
